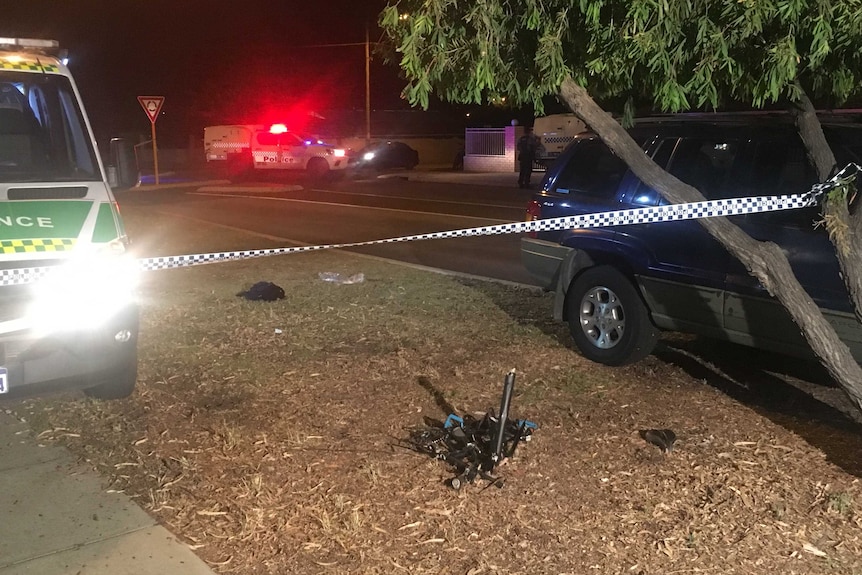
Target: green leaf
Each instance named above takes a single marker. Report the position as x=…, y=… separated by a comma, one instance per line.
x=672, y=54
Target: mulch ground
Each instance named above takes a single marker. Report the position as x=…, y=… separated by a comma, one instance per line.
x=265, y=435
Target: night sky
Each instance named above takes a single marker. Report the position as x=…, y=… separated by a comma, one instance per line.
x=214, y=61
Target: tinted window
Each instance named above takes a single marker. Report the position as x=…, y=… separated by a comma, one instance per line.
x=847, y=154
x=643, y=194
x=704, y=163
x=780, y=167
x=593, y=169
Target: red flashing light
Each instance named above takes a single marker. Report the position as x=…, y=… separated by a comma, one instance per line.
x=277, y=129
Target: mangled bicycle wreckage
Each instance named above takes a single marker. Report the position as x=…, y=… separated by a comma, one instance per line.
x=472, y=446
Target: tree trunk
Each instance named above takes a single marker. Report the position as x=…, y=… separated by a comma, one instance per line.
x=763, y=260
x=845, y=229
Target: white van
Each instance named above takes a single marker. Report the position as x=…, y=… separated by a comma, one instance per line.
x=68, y=315
x=555, y=132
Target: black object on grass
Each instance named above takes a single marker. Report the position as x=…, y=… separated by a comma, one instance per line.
x=472, y=446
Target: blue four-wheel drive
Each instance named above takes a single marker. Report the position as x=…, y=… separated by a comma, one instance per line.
x=618, y=286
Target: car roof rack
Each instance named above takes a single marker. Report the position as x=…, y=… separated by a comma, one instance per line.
x=846, y=115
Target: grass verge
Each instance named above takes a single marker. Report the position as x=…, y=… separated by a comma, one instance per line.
x=264, y=433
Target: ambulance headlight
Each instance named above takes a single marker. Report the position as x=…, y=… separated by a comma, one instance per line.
x=83, y=293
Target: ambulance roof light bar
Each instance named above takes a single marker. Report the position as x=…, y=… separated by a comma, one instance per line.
x=51, y=47
x=278, y=129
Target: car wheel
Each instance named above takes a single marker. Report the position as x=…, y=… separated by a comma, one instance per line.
x=317, y=167
x=117, y=385
x=608, y=319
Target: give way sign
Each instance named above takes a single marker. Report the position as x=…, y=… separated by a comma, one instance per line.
x=152, y=105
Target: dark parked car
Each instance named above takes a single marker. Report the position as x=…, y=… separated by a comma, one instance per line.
x=618, y=286
x=385, y=156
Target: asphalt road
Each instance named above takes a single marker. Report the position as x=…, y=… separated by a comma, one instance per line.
x=348, y=210
x=351, y=211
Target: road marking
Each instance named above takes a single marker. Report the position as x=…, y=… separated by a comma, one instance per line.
x=441, y=271
x=453, y=202
x=246, y=196
x=274, y=188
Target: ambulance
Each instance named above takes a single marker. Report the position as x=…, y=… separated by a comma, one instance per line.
x=555, y=132
x=68, y=312
x=272, y=147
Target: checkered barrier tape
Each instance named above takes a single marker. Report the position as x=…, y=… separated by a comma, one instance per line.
x=646, y=215
x=708, y=209
x=22, y=275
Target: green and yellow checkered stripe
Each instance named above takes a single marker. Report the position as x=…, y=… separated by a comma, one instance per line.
x=36, y=245
x=28, y=66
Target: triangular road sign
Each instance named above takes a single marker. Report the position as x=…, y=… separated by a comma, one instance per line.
x=152, y=105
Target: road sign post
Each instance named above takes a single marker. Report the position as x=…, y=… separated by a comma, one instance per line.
x=152, y=105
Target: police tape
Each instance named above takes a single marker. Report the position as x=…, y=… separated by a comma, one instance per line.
x=647, y=215
x=632, y=216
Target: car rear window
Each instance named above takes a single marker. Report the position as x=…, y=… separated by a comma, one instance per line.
x=643, y=194
x=847, y=154
x=779, y=166
x=704, y=163
x=592, y=170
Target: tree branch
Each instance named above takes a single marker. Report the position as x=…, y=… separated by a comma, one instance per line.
x=845, y=230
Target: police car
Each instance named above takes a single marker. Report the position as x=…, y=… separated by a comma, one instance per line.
x=68, y=315
x=273, y=147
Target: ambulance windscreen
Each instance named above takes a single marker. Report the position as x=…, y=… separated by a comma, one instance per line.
x=43, y=136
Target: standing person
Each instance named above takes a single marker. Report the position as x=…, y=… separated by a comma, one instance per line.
x=528, y=144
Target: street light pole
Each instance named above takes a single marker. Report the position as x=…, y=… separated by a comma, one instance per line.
x=367, y=87
x=367, y=45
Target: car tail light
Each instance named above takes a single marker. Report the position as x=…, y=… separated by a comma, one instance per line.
x=534, y=212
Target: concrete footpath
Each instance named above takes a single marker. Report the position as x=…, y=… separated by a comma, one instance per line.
x=59, y=519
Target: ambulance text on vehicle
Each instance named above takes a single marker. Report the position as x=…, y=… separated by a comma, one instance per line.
x=272, y=147
x=76, y=323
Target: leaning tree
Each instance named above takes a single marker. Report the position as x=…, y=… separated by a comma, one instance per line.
x=678, y=55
